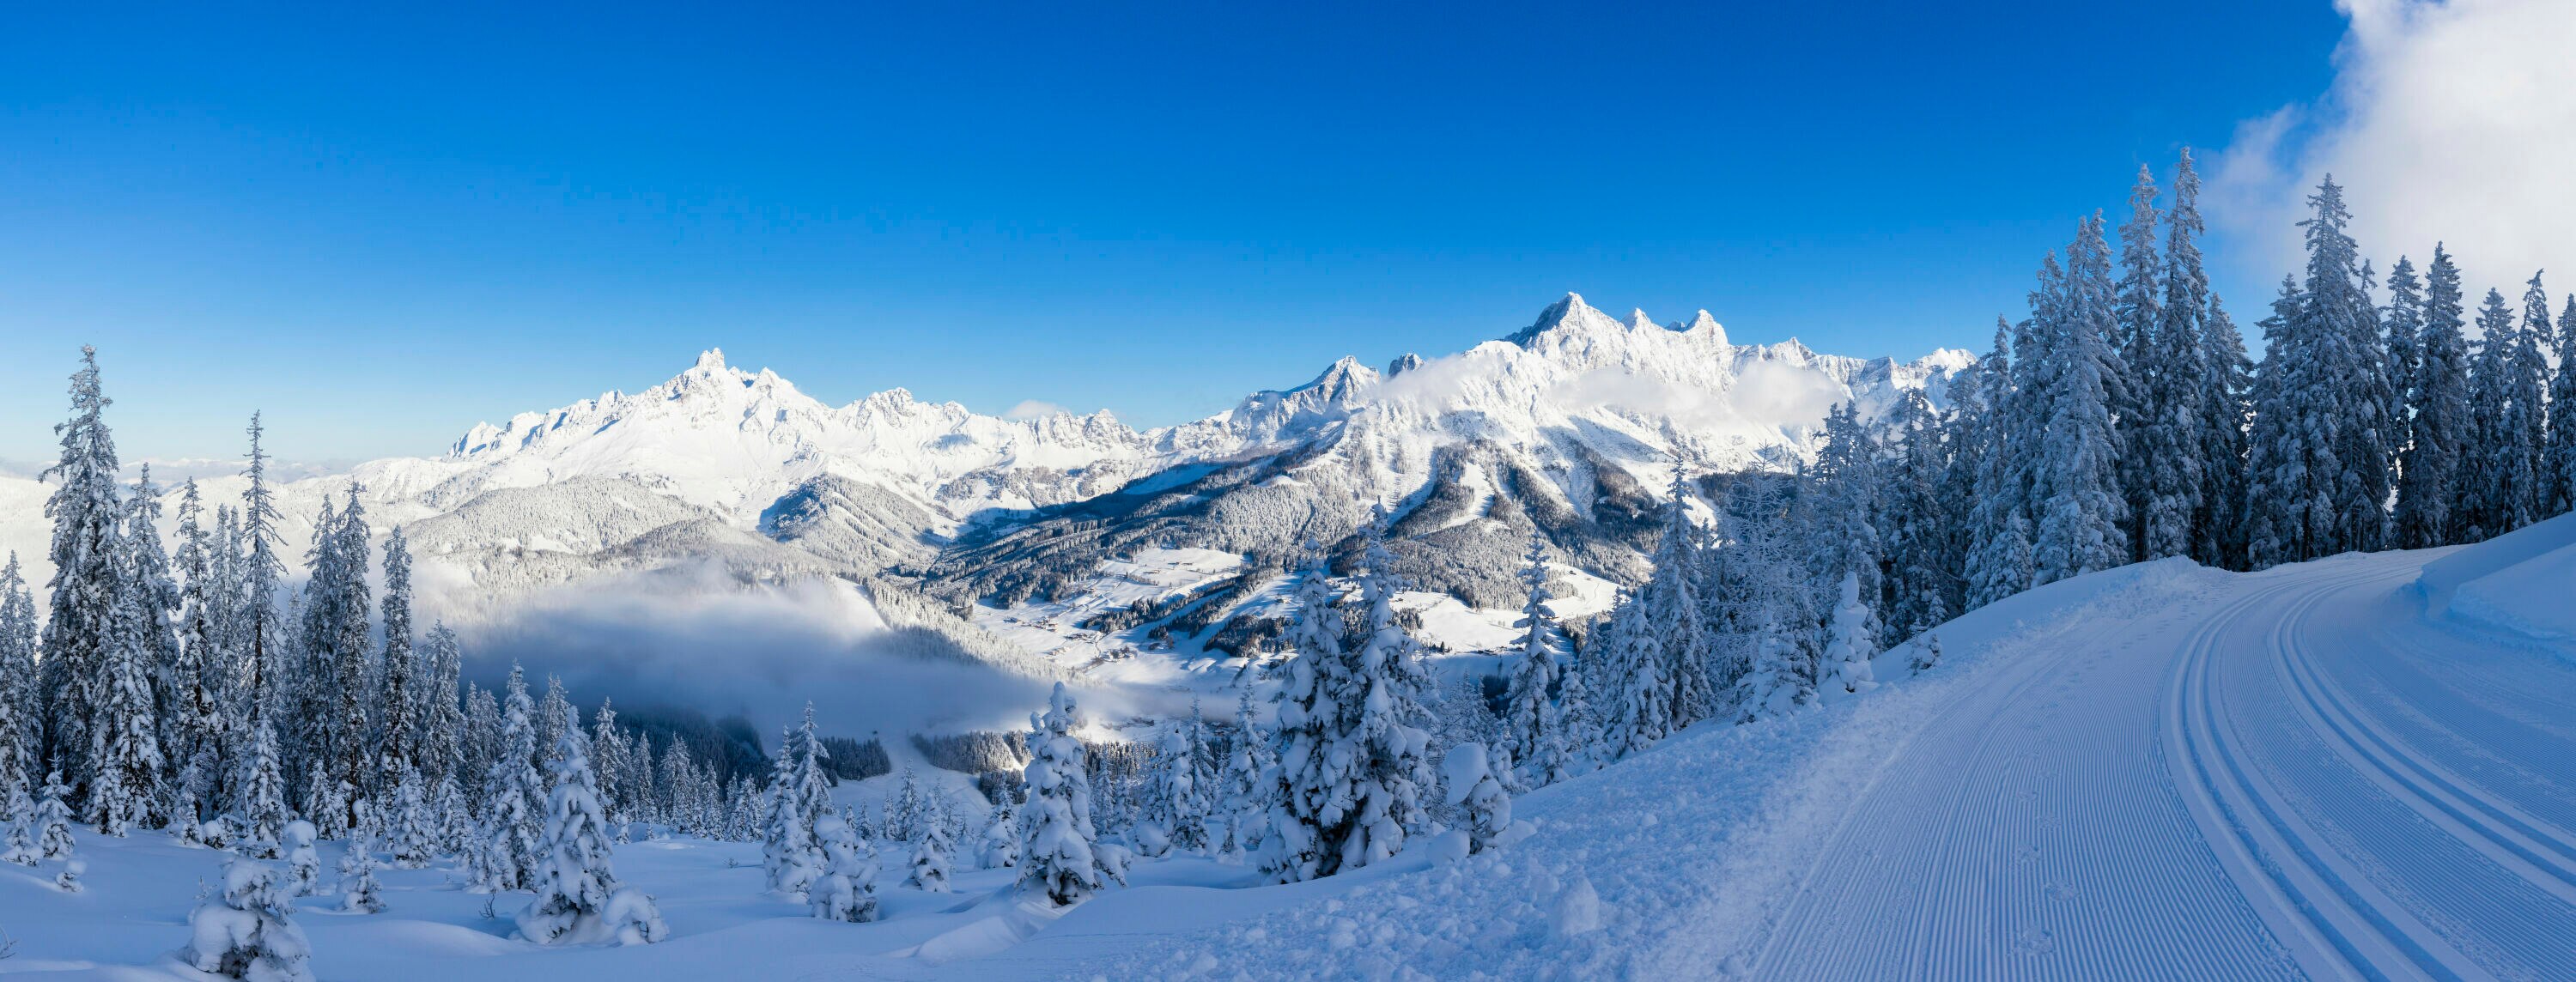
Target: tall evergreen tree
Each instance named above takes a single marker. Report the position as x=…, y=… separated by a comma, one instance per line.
x=400, y=698
x=1530, y=715
x=2504, y=492
x=1918, y=525
x=2560, y=462
x=2076, y=491
x=21, y=723
x=1683, y=651
x=2137, y=317
x=262, y=642
x=87, y=552
x=1995, y=464
x=1060, y=855
x=2429, y=509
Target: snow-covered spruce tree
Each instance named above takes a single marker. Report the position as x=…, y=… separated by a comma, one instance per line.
x=21, y=848
x=2321, y=450
x=2137, y=315
x=1001, y=846
x=1178, y=802
x=1353, y=763
x=2519, y=439
x=1996, y=461
x=263, y=795
x=2198, y=378
x=930, y=851
x=610, y=754
x=847, y=890
x=1918, y=527
x=2076, y=490
x=303, y=864
x=1846, y=481
x=1060, y=857
x=810, y=785
x=455, y=830
x=334, y=691
x=1530, y=717
x=1473, y=789
x=194, y=709
x=21, y=701
x=2559, y=463
x=248, y=931
x=579, y=900
x=1848, y=646
x=2436, y=362
x=2503, y=473
x=678, y=772
x=1683, y=650
x=359, y=891
x=1624, y=655
x=125, y=744
x=1927, y=655
x=554, y=715
x=1249, y=786
x=261, y=644
x=507, y=856
x=413, y=828
x=1770, y=621
x=53, y=819
x=399, y=726
x=442, y=713
x=788, y=854
x=87, y=552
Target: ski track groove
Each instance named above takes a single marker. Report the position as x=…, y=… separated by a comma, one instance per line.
x=2295, y=777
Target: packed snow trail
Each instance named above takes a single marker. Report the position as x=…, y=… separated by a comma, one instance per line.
x=2293, y=774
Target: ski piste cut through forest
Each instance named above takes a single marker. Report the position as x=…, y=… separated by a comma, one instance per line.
x=189, y=689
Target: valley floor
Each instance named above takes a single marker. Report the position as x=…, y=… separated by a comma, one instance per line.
x=2156, y=772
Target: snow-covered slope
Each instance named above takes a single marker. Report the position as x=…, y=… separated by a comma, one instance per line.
x=2157, y=772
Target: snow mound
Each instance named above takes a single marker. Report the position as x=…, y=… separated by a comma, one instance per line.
x=2517, y=583
x=2472, y=583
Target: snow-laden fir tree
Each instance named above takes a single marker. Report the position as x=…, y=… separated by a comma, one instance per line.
x=331, y=748
x=812, y=788
x=247, y=931
x=1995, y=455
x=1683, y=652
x=412, y=830
x=1001, y=846
x=1536, y=731
x=933, y=844
x=904, y=808
x=21, y=717
x=442, y=715
x=194, y=708
x=1478, y=794
x=1927, y=655
x=2137, y=313
x=2436, y=361
x=1772, y=624
x=1624, y=656
x=21, y=847
x=455, y=828
x=359, y=891
x=2320, y=450
x=262, y=816
x=847, y=890
x=2075, y=492
x=88, y=550
x=579, y=900
x=1178, y=801
x=260, y=644
x=2559, y=463
x=554, y=715
x=1354, y=764
x=399, y=727
x=788, y=853
x=2503, y=475
x=1918, y=527
x=125, y=744
x=303, y=864
x=1846, y=480
x=609, y=754
x=2197, y=375
x=53, y=819
x=1848, y=646
x=508, y=854
x=1249, y=788
x=1060, y=857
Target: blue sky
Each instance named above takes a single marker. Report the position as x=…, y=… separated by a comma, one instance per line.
x=385, y=226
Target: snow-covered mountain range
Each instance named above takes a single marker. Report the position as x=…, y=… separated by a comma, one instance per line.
x=1570, y=425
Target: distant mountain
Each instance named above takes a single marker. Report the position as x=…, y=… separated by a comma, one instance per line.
x=1570, y=425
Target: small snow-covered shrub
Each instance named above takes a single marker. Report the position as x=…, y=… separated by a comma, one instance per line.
x=246, y=932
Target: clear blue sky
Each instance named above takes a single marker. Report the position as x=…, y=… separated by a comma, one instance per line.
x=385, y=226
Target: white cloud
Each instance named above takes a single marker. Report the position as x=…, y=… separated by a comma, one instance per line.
x=1034, y=409
x=2448, y=121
